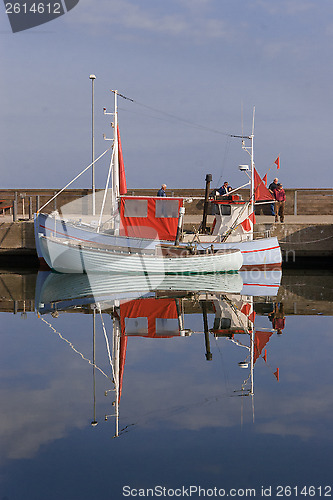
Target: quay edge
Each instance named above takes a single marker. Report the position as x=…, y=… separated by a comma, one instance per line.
x=303, y=240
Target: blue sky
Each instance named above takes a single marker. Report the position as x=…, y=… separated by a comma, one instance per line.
x=201, y=61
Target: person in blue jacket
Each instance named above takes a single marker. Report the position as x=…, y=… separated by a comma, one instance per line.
x=161, y=192
x=224, y=189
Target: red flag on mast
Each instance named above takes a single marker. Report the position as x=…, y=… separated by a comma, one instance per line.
x=260, y=190
x=277, y=162
x=247, y=224
x=122, y=175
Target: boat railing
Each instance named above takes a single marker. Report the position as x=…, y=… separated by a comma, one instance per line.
x=262, y=234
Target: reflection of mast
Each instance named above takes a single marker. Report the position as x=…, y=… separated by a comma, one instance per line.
x=114, y=360
x=115, y=356
x=244, y=364
x=94, y=421
x=209, y=355
x=117, y=361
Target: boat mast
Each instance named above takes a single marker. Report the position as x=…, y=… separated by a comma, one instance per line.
x=92, y=78
x=252, y=163
x=250, y=150
x=114, y=165
x=115, y=169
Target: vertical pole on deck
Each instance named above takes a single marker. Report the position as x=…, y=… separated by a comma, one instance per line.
x=30, y=207
x=15, y=207
x=295, y=202
x=205, y=210
x=180, y=225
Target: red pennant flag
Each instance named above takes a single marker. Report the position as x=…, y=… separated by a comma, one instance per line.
x=122, y=175
x=260, y=190
x=252, y=316
x=277, y=162
x=277, y=374
x=260, y=340
x=246, y=223
x=246, y=309
x=252, y=218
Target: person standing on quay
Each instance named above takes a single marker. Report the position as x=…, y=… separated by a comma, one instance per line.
x=271, y=188
x=280, y=197
x=161, y=192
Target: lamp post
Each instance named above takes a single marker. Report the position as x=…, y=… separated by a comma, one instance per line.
x=92, y=78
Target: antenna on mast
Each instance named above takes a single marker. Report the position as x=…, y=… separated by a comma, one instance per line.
x=254, y=112
x=242, y=122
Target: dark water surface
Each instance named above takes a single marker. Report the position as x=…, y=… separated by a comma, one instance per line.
x=183, y=420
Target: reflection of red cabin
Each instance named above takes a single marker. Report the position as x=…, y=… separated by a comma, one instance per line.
x=149, y=217
x=146, y=317
x=150, y=317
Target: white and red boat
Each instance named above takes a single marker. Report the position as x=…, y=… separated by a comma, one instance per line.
x=134, y=222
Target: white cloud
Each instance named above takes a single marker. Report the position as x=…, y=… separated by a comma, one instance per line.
x=191, y=21
x=287, y=7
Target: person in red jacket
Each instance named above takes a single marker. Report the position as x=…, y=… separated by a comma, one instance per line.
x=280, y=197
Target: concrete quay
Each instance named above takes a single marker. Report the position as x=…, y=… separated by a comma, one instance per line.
x=303, y=239
x=305, y=236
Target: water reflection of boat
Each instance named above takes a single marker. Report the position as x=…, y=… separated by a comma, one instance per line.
x=235, y=322
x=61, y=291
x=261, y=283
x=156, y=308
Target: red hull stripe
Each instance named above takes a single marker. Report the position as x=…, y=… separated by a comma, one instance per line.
x=260, y=250
x=260, y=284
x=262, y=267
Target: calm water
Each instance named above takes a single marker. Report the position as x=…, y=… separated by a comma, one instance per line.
x=183, y=420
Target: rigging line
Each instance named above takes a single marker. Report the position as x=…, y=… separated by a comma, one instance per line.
x=123, y=96
x=180, y=408
x=72, y=346
x=107, y=345
x=174, y=117
x=71, y=182
x=193, y=125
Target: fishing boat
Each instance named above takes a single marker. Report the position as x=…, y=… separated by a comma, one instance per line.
x=67, y=256
x=134, y=222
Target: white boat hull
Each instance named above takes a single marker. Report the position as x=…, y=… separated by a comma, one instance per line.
x=67, y=257
x=263, y=253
